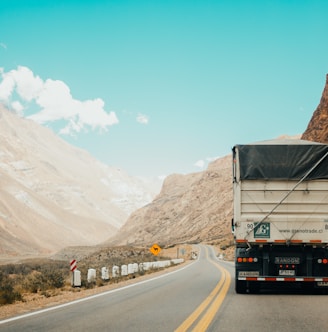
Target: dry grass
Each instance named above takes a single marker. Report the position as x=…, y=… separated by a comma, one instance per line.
x=31, y=278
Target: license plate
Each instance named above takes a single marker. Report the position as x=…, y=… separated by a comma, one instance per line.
x=286, y=272
x=287, y=260
x=248, y=273
x=322, y=283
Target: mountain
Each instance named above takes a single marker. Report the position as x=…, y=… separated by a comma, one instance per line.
x=198, y=207
x=190, y=208
x=54, y=195
x=317, y=129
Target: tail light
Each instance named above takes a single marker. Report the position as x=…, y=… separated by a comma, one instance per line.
x=247, y=259
x=323, y=260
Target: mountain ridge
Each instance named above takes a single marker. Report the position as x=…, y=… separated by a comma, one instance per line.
x=55, y=195
x=37, y=184
x=205, y=217
x=195, y=207
x=317, y=129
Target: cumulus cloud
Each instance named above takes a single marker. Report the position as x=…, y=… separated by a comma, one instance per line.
x=143, y=119
x=55, y=102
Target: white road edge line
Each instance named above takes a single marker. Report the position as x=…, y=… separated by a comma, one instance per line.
x=92, y=296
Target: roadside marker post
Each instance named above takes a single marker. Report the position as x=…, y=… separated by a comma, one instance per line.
x=73, y=265
x=76, y=274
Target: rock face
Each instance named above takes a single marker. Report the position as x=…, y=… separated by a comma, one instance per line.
x=198, y=207
x=54, y=195
x=190, y=208
x=317, y=129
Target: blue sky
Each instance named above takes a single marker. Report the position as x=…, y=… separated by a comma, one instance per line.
x=160, y=87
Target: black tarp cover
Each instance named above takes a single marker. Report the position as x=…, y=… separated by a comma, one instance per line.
x=276, y=160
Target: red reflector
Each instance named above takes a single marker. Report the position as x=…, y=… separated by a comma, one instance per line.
x=239, y=259
x=325, y=261
x=250, y=259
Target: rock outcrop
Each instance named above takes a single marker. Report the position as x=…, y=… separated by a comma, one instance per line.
x=198, y=207
x=195, y=207
x=317, y=129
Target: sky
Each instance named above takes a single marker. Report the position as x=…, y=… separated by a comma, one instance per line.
x=164, y=86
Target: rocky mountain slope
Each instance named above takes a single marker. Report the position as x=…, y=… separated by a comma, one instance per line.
x=198, y=207
x=54, y=195
x=317, y=129
x=190, y=208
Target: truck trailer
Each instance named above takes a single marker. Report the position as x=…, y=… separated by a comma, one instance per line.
x=280, y=214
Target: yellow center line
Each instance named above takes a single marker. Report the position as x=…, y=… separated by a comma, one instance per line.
x=224, y=283
x=213, y=309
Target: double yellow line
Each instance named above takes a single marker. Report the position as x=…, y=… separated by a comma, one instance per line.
x=209, y=307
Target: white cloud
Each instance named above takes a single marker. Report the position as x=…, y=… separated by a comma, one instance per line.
x=204, y=163
x=55, y=101
x=17, y=107
x=3, y=45
x=143, y=119
x=6, y=86
x=70, y=129
x=199, y=163
x=28, y=86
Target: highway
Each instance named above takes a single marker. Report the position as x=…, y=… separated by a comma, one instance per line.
x=198, y=297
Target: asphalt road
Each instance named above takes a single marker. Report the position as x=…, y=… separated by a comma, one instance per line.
x=199, y=297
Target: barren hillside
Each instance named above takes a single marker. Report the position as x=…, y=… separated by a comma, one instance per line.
x=190, y=208
x=54, y=195
x=198, y=207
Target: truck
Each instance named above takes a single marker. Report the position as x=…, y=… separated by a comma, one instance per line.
x=280, y=215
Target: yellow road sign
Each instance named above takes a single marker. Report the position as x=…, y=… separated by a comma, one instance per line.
x=155, y=249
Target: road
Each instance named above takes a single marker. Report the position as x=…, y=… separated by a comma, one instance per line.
x=198, y=297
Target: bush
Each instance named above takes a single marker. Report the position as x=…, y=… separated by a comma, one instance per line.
x=7, y=293
x=52, y=277
x=33, y=282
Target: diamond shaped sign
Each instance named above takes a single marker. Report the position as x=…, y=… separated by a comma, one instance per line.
x=155, y=249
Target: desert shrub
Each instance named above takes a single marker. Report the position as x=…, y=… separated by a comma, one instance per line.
x=52, y=277
x=33, y=282
x=7, y=293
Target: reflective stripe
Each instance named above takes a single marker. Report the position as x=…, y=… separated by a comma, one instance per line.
x=305, y=279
